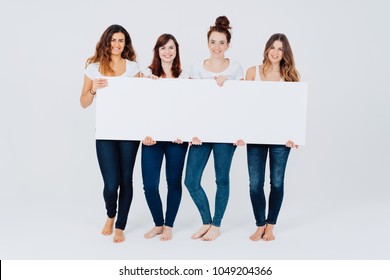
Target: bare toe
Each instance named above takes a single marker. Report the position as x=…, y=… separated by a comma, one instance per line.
x=258, y=234
x=268, y=233
x=153, y=232
x=166, y=234
x=118, y=236
x=211, y=234
x=202, y=231
x=108, y=226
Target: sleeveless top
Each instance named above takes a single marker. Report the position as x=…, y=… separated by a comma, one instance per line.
x=257, y=76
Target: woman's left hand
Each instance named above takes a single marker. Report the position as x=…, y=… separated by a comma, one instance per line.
x=220, y=79
x=239, y=142
x=291, y=144
x=178, y=141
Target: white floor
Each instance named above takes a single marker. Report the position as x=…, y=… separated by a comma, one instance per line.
x=321, y=219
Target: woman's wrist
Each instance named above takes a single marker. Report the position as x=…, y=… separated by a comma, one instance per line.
x=92, y=92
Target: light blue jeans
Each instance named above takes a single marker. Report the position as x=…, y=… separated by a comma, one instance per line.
x=196, y=163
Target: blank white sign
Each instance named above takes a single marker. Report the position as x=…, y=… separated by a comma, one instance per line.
x=167, y=109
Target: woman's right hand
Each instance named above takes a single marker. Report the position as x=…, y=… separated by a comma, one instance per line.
x=99, y=83
x=148, y=141
x=153, y=77
x=195, y=141
x=291, y=144
x=220, y=79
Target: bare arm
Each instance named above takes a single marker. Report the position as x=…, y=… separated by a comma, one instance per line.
x=250, y=74
x=89, y=90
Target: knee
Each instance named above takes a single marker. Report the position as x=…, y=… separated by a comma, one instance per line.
x=174, y=183
x=277, y=182
x=191, y=184
x=256, y=184
x=110, y=188
x=277, y=185
x=149, y=189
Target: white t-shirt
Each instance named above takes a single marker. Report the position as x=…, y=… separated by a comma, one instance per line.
x=92, y=70
x=233, y=72
x=183, y=75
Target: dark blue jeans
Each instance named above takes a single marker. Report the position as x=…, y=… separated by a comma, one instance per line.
x=257, y=157
x=116, y=161
x=151, y=160
x=196, y=163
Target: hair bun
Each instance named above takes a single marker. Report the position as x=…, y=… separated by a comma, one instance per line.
x=223, y=22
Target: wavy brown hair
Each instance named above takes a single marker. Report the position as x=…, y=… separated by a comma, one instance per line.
x=222, y=25
x=103, y=50
x=287, y=64
x=156, y=66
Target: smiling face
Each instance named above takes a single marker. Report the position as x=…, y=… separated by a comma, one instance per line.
x=117, y=43
x=218, y=44
x=275, y=53
x=167, y=52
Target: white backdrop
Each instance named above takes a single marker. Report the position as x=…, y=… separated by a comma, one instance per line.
x=336, y=194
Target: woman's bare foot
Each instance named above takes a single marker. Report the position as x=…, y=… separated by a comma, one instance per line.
x=118, y=236
x=268, y=234
x=108, y=226
x=211, y=234
x=202, y=231
x=153, y=232
x=166, y=234
x=258, y=234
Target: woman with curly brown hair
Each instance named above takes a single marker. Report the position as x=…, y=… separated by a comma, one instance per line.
x=114, y=56
x=278, y=66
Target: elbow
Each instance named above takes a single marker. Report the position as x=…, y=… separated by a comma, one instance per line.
x=83, y=104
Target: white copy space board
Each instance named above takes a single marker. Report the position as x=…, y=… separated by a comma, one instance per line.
x=167, y=109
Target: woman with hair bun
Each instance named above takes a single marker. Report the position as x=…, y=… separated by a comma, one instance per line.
x=220, y=68
x=278, y=66
x=165, y=64
x=114, y=56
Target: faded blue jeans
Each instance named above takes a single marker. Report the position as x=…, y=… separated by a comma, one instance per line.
x=257, y=158
x=116, y=160
x=198, y=156
x=151, y=161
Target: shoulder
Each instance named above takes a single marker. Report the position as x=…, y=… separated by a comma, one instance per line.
x=132, y=68
x=184, y=75
x=198, y=65
x=147, y=72
x=251, y=73
x=92, y=70
x=235, y=66
x=131, y=64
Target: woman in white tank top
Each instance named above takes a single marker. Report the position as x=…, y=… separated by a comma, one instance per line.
x=278, y=65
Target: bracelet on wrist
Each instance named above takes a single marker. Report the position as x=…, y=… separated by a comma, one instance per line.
x=92, y=92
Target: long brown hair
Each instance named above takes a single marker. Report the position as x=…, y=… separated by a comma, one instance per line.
x=103, y=50
x=222, y=25
x=287, y=64
x=156, y=66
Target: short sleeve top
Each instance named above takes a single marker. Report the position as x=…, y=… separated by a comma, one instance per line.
x=233, y=71
x=92, y=70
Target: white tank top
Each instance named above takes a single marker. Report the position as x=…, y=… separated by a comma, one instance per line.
x=257, y=76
